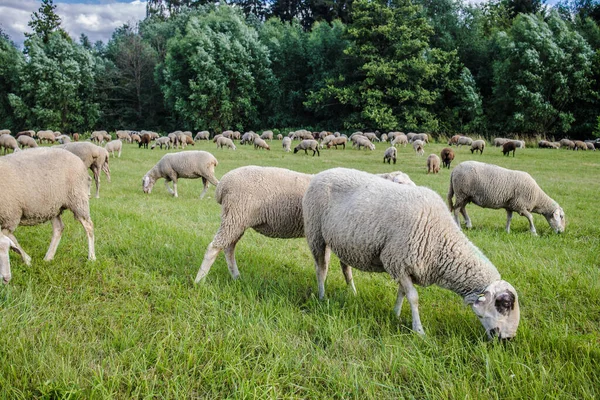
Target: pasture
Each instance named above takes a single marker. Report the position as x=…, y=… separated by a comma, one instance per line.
x=134, y=325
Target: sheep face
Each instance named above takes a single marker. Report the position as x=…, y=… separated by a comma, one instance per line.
x=498, y=310
x=147, y=184
x=5, y=245
x=557, y=220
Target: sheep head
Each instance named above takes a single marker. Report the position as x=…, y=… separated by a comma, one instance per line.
x=557, y=220
x=147, y=184
x=498, y=310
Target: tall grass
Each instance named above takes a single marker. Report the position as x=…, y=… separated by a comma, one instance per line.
x=133, y=324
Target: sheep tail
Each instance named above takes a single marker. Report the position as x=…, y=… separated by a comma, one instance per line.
x=450, y=195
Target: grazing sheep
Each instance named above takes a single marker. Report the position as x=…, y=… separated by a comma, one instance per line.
x=94, y=157
x=124, y=135
x=463, y=140
x=500, y=141
x=361, y=141
x=266, y=199
x=563, y=143
x=187, y=164
x=136, y=138
x=248, y=137
x=544, y=144
x=337, y=141
x=174, y=138
x=63, y=139
x=478, y=145
x=100, y=137
x=392, y=135
x=186, y=139
x=308, y=144
x=409, y=136
x=453, y=140
x=447, y=156
x=280, y=137
x=491, y=186
x=29, y=133
x=153, y=135
x=371, y=136
x=342, y=208
x=384, y=137
x=579, y=145
x=508, y=147
x=163, y=141
x=114, y=145
x=433, y=164
x=9, y=142
x=286, y=144
x=145, y=139
x=227, y=134
x=5, y=132
x=520, y=144
x=267, y=135
x=590, y=145
x=76, y=137
x=37, y=186
x=260, y=144
x=202, y=135
x=236, y=135
x=400, y=139
x=27, y=141
x=420, y=136
x=390, y=154
x=48, y=136
x=223, y=141
x=418, y=147
x=216, y=137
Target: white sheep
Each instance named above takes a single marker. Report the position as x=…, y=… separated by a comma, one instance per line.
x=478, y=145
x=63, y=139
x=99, y=137
x=400, y=139
x=267, y=199
x=94, y=157
x=267, y=135
x=48, y=136
x=500, y=141
x=390, y=154
x=520, y=144
x=261, y=144
x=306, y=145
x=27, y=141
x=342, y=208
x=433, y=164
x=37, y=186
x=336, y=141
x=114, y=145
x=223, y=141
x=5, y=132
x=280, y=137
x=124, y=135
x=464, y=140
x=491, y=186
x=420, y=136
x=187, y=164
x=418, y=147
x=9, y=142
x=384, y=137
x=286, y=144
x=163, y=141
x=362, y=141
x=202, y=135
x=248, y=137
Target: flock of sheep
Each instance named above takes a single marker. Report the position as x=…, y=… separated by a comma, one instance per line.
x=337, y=210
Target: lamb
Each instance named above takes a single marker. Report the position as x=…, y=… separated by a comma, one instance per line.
x=390, y=154
x=400, y=139
x=223, y=141
x=235, y=135
x=163, y=141
x=478, y=145
x=266, y=199
x=174, y=138
x=48, y=136
x=287, y=144
x=508, y=147
x=260, y=144
x=433, y=164
x=9, y=142
x=491, y=186
x=94, y=157
x=338, y=218
x=447, y=155
x=418, y=147
x=579, y=145
x=188, y=164
x=114, y=145
x=202, y=135
x=308, y=144
x=463, y=140
x=267, y=135
x=37, y=186
x=27, y=141
x=337, y=141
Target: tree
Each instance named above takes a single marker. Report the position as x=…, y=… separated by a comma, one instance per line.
x=45, y=21
x=11, y=63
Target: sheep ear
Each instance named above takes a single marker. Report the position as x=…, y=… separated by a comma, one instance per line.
x=505, y=302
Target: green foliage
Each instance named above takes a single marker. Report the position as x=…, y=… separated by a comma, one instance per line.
x=45, y=21
x=11, y=62
x=216, y=74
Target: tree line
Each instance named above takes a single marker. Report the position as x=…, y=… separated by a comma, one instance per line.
x=441, y=66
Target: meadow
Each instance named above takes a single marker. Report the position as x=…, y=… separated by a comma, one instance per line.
x=134, y=325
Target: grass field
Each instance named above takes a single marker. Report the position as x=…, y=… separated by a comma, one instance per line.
x=134, y=325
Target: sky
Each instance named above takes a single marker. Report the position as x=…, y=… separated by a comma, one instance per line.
x=96, y=18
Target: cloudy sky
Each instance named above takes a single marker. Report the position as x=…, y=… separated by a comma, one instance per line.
x=96, y=18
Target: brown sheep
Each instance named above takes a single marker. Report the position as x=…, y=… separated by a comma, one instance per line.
x=433, y=164
x=508, y=147
x=447, y=156
x=144, y=140
x=76, y=137
x=579, y=145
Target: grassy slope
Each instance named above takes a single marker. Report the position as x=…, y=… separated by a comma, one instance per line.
x=133, y=324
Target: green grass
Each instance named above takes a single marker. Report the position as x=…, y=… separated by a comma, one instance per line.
x=133, y=324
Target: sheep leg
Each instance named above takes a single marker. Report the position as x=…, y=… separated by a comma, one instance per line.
x=509, y=215
x=175, y=188
x=17, y=247
x=463, y=211
x=528, y=215
x=347, y=271
x=205, y=183
x=321, y=266
x=231, y=263
x=57, y=230
x=399, y=301
x=413, y=300
x=97, y=180
x=209, y=258
x=88, y=225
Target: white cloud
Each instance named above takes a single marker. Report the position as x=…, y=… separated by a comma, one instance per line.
x=98, y=21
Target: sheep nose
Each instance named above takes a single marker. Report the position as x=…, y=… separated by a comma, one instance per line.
x=492, y=333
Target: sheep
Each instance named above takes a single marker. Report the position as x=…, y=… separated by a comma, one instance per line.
x=227, y=134
x=500, y=141
x=563, y=143
x=153, y=135
x=223, y=141
x=5, y=132
x=29, y=133
x=410, y=135
x=390, y=154
x=188, y=164
x=579, y=145
x=266, y=199
x=187, y=133
x=267, y=135
x=361, y=141
x=400, y=139
x=100, y=137
x=447, y=156
x=384, y=138
x=27, y=141
x=63, y=139
x=337, y=141
x=114, y=145
x=136, y=138
x=236, y=135
x=418, y=147
x=339, y=219
x=260, y=144
x=144, y=140
x=491, y=186
x=37, y=186
x=433, y=164
x=94, y=157
x=174, y=138
x=508, y=147
x=216, y=137
x=286, y=144
x=76, y=137
x=371, y=136
x=163, y=141
x=308, y=144
x=398, y=177
x=392, y=135
x=48, y=136
x=202, y=135
x=453, y=140
x=520, y=144
x=420, y=136
x=124, y=135
x=478, y=145
x=186, y=139
x=463, y=140
x=280, y=137
x=248, y=137
x=544, y=144
x=9, y=142
x=590, y=145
